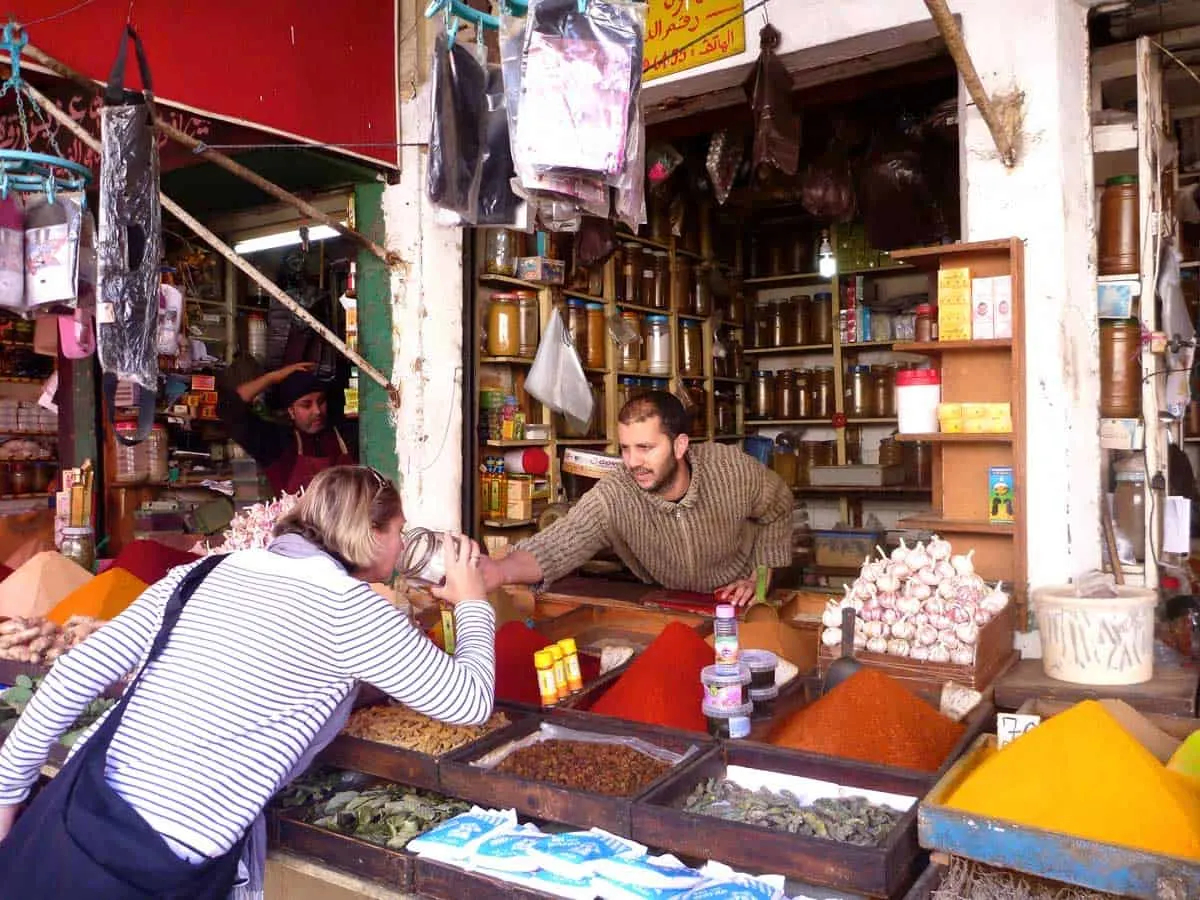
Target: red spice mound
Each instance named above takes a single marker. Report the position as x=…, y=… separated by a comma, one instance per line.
x=516, y=675
x=872, y=718
x=5, y=571
x=662, y=686
x=150, y=561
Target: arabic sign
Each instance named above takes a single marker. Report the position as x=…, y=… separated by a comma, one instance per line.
x=683, y=34
x=86, y=111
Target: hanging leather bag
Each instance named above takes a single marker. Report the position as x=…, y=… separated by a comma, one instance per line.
x=130, y=241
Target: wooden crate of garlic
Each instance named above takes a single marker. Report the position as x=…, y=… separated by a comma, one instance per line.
x=924, y=612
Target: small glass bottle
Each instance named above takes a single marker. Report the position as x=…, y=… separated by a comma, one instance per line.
x=547, y=686
x=725, y=639
x=924, y=325
x=571, y=662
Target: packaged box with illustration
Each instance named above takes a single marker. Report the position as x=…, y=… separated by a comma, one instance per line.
x=1000, y=494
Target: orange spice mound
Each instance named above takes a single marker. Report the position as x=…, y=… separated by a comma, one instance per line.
x=872, y=718
x=662, y=686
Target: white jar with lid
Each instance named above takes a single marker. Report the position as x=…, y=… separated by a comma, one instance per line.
x=658, y=345
x=918, y=393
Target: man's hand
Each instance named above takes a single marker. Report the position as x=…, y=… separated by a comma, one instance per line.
x=739, y=593
x=492, y=572
x=8, y=815
x=282, y=373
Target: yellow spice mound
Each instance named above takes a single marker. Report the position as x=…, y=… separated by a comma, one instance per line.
x=1080, y=773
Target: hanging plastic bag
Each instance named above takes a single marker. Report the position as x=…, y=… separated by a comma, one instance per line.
x=827, y=188
x=12, y=254
x=899, y=208
x=725, y=153
x=130, y=245
x=170, y=319
x=456, y=130
x=776, y=122
x=556, y=376
x=493, y=199
x=52, y=234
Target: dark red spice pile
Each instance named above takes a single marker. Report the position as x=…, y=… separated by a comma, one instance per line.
x=662, y=686
x=151, y=561
x=516, y=675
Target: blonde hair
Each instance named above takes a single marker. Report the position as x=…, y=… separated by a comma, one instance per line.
x=340, y=512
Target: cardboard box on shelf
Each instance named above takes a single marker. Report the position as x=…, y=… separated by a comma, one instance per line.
x=954, y=304
x=983, y=309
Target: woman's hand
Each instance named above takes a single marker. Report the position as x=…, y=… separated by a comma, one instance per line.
x=8, y=815
x=464, y=578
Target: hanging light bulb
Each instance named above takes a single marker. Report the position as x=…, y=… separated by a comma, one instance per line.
x=826, y=262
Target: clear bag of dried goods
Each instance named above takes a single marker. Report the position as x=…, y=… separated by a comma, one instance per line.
x=556, y=376
x=52, y=236
x=725, y=154
x=550, y=732
x=458, y=98
x=12, y=254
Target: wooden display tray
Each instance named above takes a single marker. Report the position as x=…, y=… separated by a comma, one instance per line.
x=393, y=868
x=994, y=654
x=1123, y=871
x=398, y=764
x=540, y=800
x=440, y=881
x=885, y=871
x=1180, y=727
x=1172, y=691
x=10, y=669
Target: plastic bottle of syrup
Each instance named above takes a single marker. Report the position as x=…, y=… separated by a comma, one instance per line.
x=725, y=639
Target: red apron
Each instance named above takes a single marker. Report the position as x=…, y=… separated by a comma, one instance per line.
x=293, y=470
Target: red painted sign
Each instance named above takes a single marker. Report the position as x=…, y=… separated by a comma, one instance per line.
x=324, y=72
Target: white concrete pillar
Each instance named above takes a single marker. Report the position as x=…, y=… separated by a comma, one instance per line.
x=427, y=337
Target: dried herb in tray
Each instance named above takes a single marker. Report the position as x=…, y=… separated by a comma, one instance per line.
x=611, y=769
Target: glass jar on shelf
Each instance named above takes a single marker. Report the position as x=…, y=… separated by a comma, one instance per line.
x=918, y=463
x=762, y=395
x=885, y=391
x=823, y=400
x=502, y=249
x=577, y=326
x=804, y=389
x=737, y=364
x=724, y=412
x=683, y=283
x=699, y=410
x=853, y=445
x=736, y=310
x=631, y=353
x=925, y=325
x=503, y=326
x=527, y=323
x=1129, y=501
x=660, y=298
x=860, y=393
x=784, y=462
x=597, y=335
x=701, y=304
x=824, y=453
x=783, y=323
x=658, y=344
x=79, y=546
x=618, y=259
x=691, y=349
x=801, y=319
x=891, y=452
x=631, y=273
x=821, y=318
x=785, y=395
x=763, y=325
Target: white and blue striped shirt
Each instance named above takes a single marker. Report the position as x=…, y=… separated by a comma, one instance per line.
x=264, y=651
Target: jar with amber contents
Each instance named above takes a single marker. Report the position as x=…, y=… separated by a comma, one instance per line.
x=683, y=285
x=630, y=273
x=924, y=331
x=804, y=389
x=631, y=353
x=785, y=395
x=824, y=453
x=785, y=463
x=763, y=325
x=503, y=326
x=596, y=334
x=860, y=393
x=783, y=323
x=885, y=391
x=737, y=365
x=762, y=395
x=618, y=258
x=724, y=412
x=699, y=411
x=802, y=319
x=527, y=331
x=660, y=298
x=823, y=400
x=701, y=304
x=736, y=313
x=853, y=444
x=501, y=250
x=691, y=349
x=891, y=452
x=821, y=319
x=577, y=326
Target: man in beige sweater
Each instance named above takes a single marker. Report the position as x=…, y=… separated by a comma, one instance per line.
x=692, y=518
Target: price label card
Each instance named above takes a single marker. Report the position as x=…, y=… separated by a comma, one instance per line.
x=1010, y=726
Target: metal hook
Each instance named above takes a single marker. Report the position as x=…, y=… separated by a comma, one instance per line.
x=13, y=44
x=4, y=185
x=51, y=188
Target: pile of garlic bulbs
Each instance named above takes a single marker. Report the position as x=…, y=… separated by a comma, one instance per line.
x=922, y=602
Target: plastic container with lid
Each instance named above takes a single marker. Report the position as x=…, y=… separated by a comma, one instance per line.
x=503, y=326
x=571, y=663
x=724, y=690
x=577, y=325
x=821, y=318
x=822, y=392
x=596, y=333
x=762, y=665
x=1119, y=227
x=918, y=393
x=926, y=324
x=764, y=701
x=730, y=724
x=860, y=393
x=547, y=685
x=79, y=546
x=691, y=348
x=762, y=395
x=658, y=345
x=630, y=273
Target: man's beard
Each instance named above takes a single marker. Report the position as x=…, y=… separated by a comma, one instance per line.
x=667, y=477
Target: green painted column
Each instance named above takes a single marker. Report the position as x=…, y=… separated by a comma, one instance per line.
x=377, y=436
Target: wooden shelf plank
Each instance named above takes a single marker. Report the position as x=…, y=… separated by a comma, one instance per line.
x=933, y=347
x=580, y=295
x=957, y=526
x=626, y=238
x=866, y=490
x=783, y=351
x=582, y=442
x=885, y=420
x=868, y=345
x=720, y=379
x=940, y=438
x=768, y=423
x=877, y=270
x=508, y=523
x=505, y=361
x=517, y=443
x=930, y=257
x=784, y=280
x=507, y=281
x=637, y=307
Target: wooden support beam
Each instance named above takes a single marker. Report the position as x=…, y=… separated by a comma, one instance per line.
x=1004, y=133
x=222, y=248
x=229, y=165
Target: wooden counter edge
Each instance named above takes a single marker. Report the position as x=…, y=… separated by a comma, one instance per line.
x=368, y=890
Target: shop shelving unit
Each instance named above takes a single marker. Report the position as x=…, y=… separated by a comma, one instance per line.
x=513, y=370
x=991, y=371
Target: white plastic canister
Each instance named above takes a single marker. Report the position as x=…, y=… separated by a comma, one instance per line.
x=918, y=393
x=1097, y=640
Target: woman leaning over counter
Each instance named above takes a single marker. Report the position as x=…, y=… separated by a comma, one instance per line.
x=240, y=687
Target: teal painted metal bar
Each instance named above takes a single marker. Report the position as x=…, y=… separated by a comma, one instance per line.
x=459, y=10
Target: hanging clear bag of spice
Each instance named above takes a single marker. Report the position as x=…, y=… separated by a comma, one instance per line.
x=52, y=233
x=557, y=378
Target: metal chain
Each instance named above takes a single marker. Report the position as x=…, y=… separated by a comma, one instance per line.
x=22, y=119
x=51, y=127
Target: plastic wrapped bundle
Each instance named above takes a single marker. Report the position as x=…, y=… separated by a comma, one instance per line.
x=456, y=136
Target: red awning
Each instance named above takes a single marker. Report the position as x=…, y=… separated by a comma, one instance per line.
x=322, y=73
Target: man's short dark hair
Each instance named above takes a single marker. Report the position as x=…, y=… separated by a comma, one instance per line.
x=663, y=404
